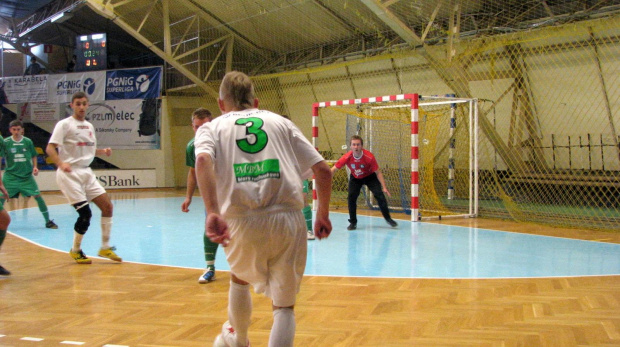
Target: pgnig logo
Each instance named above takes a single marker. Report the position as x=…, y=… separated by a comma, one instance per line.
x=142, y=83
x=89, y=86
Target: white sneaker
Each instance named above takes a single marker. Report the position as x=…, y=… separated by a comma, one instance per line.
x=311, y=235
x=228, y=337
x=207, y=276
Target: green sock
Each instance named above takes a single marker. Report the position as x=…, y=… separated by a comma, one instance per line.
x=2, y=236
x=43, y=208
x=210, y=248
x=308, y=215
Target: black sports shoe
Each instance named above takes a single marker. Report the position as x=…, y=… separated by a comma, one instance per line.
x=4, y=272
x=51, y=225
x=352, y=226
x=392, y=223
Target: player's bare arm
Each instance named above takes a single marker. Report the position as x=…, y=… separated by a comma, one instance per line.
x=323, y=177
x=104, y=151
x=52, y=153
x=35, y=169
x=216, y=227
x=382, y=181
x=3, y=190
x=191, y=188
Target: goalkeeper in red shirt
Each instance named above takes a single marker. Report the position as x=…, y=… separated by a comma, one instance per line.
x=364, y=171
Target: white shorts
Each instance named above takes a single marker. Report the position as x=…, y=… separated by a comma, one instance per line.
x=269, y=252
x=79, y=185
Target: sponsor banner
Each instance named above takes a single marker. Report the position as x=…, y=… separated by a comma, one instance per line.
x=23, y=112
x=126, y=124
x=43, y=112
x=109, y=179
x=62, y=87
x=142, y=83
x=14, y=90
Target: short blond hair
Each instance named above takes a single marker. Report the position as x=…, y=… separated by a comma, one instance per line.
x=237, y=88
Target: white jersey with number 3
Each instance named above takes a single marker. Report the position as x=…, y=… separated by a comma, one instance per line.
x=259, y=157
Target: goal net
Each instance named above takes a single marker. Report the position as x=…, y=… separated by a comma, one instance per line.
x=425, y=147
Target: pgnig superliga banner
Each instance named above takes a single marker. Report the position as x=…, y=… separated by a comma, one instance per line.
x=63, y=86
x=143, y=83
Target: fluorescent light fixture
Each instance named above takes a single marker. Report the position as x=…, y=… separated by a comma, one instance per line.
x=97, y=36
x=61, y=17
x=84, y=38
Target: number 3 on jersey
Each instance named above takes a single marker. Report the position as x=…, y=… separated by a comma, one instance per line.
x=253, y=131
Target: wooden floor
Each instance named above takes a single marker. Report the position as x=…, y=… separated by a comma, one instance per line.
x=50, y=297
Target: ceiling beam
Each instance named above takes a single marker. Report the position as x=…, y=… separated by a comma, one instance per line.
x=216, y=23
x=390, y=19
x=335, y=16
x=432, y=20
x=165, y=54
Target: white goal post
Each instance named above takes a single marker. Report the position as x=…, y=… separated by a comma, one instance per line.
x=385, y=112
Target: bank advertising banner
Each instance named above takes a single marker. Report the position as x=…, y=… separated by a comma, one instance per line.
x=142, y=83
x=63, y=86
x=109, y=179
x=126, y=124
x=15, y=90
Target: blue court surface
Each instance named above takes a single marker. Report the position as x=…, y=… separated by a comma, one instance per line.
x=155, y=231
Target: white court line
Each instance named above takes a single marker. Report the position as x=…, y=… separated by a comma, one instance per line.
x=35, y=339
x=71, y=343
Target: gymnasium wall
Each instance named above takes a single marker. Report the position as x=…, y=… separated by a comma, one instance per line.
x=549, y=113
x=159, y=159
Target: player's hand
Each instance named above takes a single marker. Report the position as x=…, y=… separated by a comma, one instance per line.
x=216, y=229
x=185, y=205
x=322, y=227
x=387, y=192
x=66, y=167
x=107, y=151
x=4, y=193
x=35, y=171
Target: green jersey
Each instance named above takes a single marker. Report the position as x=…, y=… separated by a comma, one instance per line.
x=18, y=155
x=190, y=155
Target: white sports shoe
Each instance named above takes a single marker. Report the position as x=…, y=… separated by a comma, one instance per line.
x=228, y=337
x=207, y=276
x=311, y=235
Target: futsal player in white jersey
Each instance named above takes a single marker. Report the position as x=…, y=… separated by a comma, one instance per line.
x=72, y=147
x=249, y=164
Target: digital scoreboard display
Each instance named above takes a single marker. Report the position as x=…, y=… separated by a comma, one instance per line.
x=91, y=52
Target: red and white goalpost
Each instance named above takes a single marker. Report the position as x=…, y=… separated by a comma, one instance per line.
x=408, y=103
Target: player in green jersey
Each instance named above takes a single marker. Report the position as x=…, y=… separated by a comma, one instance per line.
x=5, y=219
x=199, y=117
x=21, y=167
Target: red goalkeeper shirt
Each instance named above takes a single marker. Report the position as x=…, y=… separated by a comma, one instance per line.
x=361, y=167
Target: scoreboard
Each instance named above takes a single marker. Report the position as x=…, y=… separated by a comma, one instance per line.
x=91, y=52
